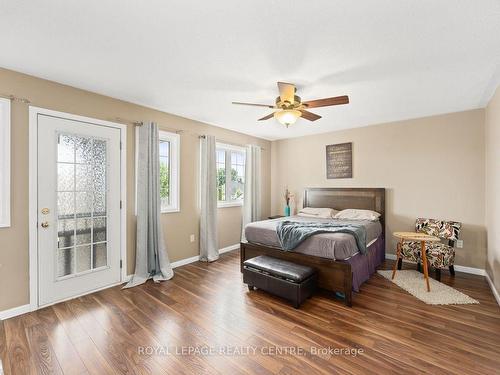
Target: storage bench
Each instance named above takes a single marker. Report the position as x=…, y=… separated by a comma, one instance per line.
x=288, y=280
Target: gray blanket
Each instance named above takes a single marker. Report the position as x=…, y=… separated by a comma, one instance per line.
x=292, y=233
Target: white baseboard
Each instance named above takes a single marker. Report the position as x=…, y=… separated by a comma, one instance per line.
x=196, y=258
x=471, y=270
x=183, y=262
x=15, y=311
x=390, y=256
x=6, y=314
x=493, y=288
x=229, y=248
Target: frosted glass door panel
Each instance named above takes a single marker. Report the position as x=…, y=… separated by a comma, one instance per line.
x=81, y=204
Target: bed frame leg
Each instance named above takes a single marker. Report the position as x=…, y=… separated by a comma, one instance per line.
x=348, y=298
x=242, y=256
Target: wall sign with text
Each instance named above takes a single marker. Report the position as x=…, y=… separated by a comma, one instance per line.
x=339, y=160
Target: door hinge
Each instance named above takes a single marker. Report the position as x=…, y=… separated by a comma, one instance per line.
x=120, y=145
x=121, y=263
x=120, y=204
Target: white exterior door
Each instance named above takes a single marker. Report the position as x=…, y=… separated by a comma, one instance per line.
x=78, y=209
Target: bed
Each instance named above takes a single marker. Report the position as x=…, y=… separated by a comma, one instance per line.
x=341, y=268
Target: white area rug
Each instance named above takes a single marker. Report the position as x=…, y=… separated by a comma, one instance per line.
x=413, y=282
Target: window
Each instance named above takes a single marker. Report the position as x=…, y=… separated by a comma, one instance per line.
x=169, y=171
x=169, y=155
x=4, y=162
x=230, y=163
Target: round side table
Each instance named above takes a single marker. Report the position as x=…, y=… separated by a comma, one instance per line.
x=414, y=237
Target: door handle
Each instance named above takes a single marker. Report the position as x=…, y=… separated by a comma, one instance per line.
x=45, y=224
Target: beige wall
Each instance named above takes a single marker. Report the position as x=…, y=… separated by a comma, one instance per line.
x=178, y=226
x=493, y=187
x=431, y=167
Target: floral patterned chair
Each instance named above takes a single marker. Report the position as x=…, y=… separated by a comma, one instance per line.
x=439, y=255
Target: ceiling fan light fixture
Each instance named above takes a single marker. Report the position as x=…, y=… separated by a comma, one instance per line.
x=289, y=107
x=287, y=116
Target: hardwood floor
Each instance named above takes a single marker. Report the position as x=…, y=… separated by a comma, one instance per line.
x=206, y=305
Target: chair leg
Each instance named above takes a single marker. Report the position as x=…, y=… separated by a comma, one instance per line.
x=400, y=263
x=398, y=254
x=452, y=271
x=438, y=274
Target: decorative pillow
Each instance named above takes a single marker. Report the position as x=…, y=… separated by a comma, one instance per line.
x=355, y=214
x=323, y=213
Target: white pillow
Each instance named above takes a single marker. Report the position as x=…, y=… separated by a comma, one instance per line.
x=355, y=214
x=302, y=214
x=323, y=213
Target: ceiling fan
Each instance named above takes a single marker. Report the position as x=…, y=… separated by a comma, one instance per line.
x=290, y=107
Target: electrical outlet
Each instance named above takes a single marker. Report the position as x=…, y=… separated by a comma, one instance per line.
x=460, y=243
x=191, y=238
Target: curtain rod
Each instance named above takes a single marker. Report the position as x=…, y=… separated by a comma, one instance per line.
x=180, y=131
x=117, y=119
x=140, y=123
x=229, y=143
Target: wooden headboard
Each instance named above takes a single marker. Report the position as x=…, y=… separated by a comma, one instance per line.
x=342, y=198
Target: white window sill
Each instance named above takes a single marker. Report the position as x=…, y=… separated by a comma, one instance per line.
x=229, y=204
x=170, y=210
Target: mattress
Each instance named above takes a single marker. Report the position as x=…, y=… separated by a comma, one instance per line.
x=337, y=246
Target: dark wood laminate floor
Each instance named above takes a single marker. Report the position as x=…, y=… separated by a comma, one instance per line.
x=206, y=305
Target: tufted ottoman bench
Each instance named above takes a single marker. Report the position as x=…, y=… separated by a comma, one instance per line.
x=288, y=280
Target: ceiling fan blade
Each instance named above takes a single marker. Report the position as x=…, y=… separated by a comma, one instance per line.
x=266, y=117
x=309, y=115
x=255, y=105
x=287, y=91
x=338, y=100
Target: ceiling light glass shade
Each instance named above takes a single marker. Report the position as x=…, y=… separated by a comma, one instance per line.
x=287, y=116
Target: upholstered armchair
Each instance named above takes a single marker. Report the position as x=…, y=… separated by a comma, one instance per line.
x=439, y=254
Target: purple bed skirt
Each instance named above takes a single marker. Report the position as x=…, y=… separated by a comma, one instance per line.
x=363, y=266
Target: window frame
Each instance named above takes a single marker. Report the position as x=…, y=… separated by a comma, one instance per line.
x=227, y=148
x=174, y=158
x=5, y=142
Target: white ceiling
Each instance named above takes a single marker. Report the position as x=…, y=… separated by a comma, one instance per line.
x=396, y=59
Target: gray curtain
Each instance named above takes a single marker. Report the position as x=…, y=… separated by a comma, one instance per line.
x=209, y=251
x=151, y=260
x=252, y=196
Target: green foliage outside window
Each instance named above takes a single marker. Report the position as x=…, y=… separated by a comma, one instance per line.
x=238, y=193
x=221, y=184
x=164, y=181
